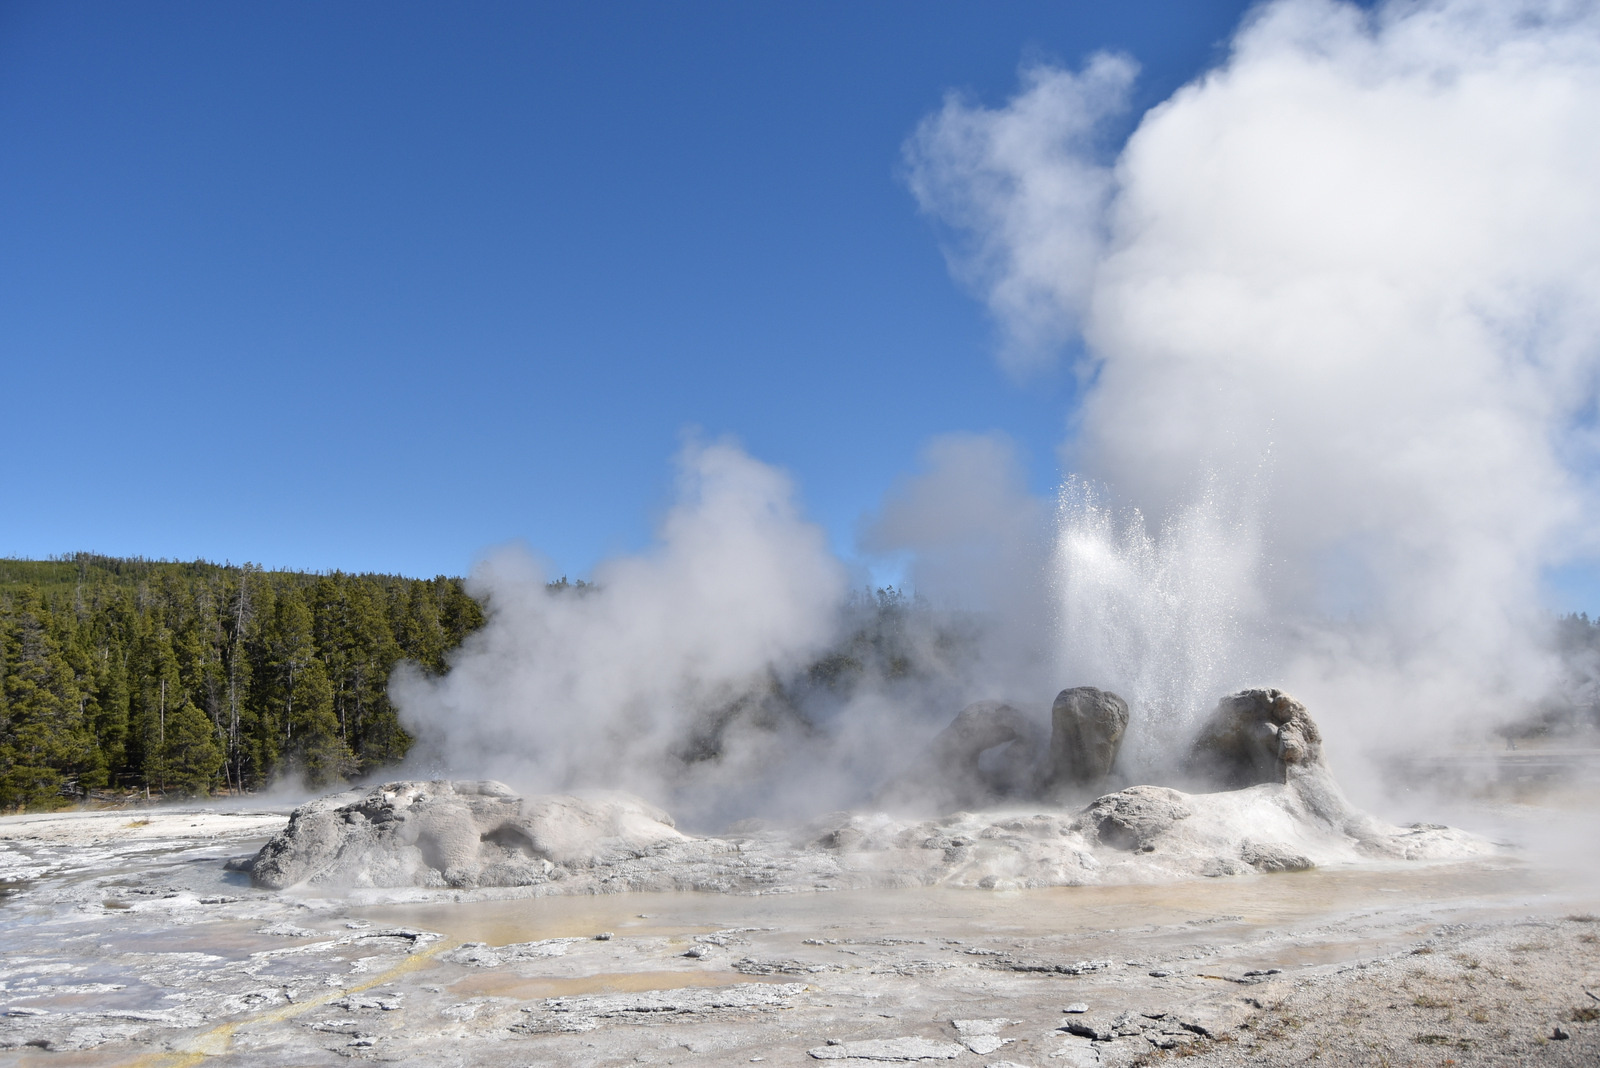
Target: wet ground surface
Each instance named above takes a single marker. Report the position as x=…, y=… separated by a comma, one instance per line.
x=133, y=945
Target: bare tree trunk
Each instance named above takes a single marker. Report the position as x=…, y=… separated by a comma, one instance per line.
x=161, y=742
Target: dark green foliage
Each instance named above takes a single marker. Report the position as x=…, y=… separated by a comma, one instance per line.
x=188, y=755
x=193, y=677
x=44, y=746
x=891, y=637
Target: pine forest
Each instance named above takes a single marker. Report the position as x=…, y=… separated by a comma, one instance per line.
x=122, y=676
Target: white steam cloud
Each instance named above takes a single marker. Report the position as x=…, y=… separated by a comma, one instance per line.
x=729, y=672
x=976, y=537
x=604, y=686
x=1025, y=190
x=1342, y=306
x=978, y=543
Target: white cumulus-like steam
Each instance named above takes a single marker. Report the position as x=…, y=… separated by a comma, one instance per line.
x=1341, y=298
x=604, y=686
x=1028, y=195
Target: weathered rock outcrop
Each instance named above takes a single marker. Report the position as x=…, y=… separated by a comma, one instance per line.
x=1087, y=725
x=958, y=753
x=1255, y=736
x=992, y=754
x=461, y=834
x=1263, y=737
x=1273, y=806
x=1138, y=835
x=989, y=754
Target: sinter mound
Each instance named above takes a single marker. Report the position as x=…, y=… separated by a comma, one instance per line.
x=1279, y=809
x=461, y=834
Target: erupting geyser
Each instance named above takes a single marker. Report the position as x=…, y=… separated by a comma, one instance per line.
x=1278, y=809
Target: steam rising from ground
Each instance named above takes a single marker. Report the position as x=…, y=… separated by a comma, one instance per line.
x=605, y=688
x=979, y=543
x=1341, y=303
x=1342, y=326
x=728, y=673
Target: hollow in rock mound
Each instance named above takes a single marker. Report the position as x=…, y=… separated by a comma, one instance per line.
x=990, y=753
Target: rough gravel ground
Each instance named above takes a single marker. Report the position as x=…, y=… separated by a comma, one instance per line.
x=1469, y=994
x=132, y=945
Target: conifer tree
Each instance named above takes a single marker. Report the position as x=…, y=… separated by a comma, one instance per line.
x=111, y=669
x=315, y=745
x=189, y=757
x=43, y=746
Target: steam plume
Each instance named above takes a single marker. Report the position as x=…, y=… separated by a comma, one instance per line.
x=1028, y=196
x=1341, y=307
x=1341, y=303
x=602, y=688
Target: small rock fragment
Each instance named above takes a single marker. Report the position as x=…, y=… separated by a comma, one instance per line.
x=1272, y=857
x=1078, y=1054
x=888, y=1049
x=656, y=1004
x=980, y=1027
x=1076, y=1007
x=981, y=1036
x=1215, y=1020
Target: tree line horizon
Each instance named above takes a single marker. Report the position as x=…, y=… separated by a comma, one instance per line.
x=124, y=674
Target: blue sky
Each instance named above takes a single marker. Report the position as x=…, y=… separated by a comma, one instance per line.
x=376, y=286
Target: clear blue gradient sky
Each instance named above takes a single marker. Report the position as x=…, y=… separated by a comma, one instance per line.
x=373, y=286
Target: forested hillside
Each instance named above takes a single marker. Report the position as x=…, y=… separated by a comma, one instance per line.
x=122, y=675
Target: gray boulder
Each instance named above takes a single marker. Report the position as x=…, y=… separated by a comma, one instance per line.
x=991, y=752
x=1256, y=736
x=1087, y=725
x=971, y=747
x=459, y=834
